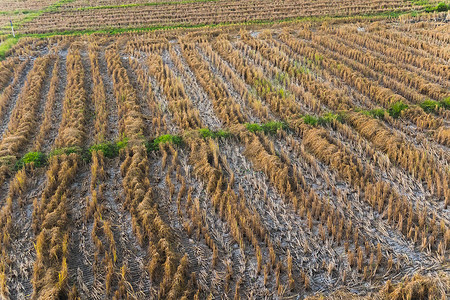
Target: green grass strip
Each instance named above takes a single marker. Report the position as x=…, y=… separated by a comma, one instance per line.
x=428, y=106
x=16, y=12
x=206, y=133
x=6, y=45
x=270, y=127
x=112, y=149
x=324, y=120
